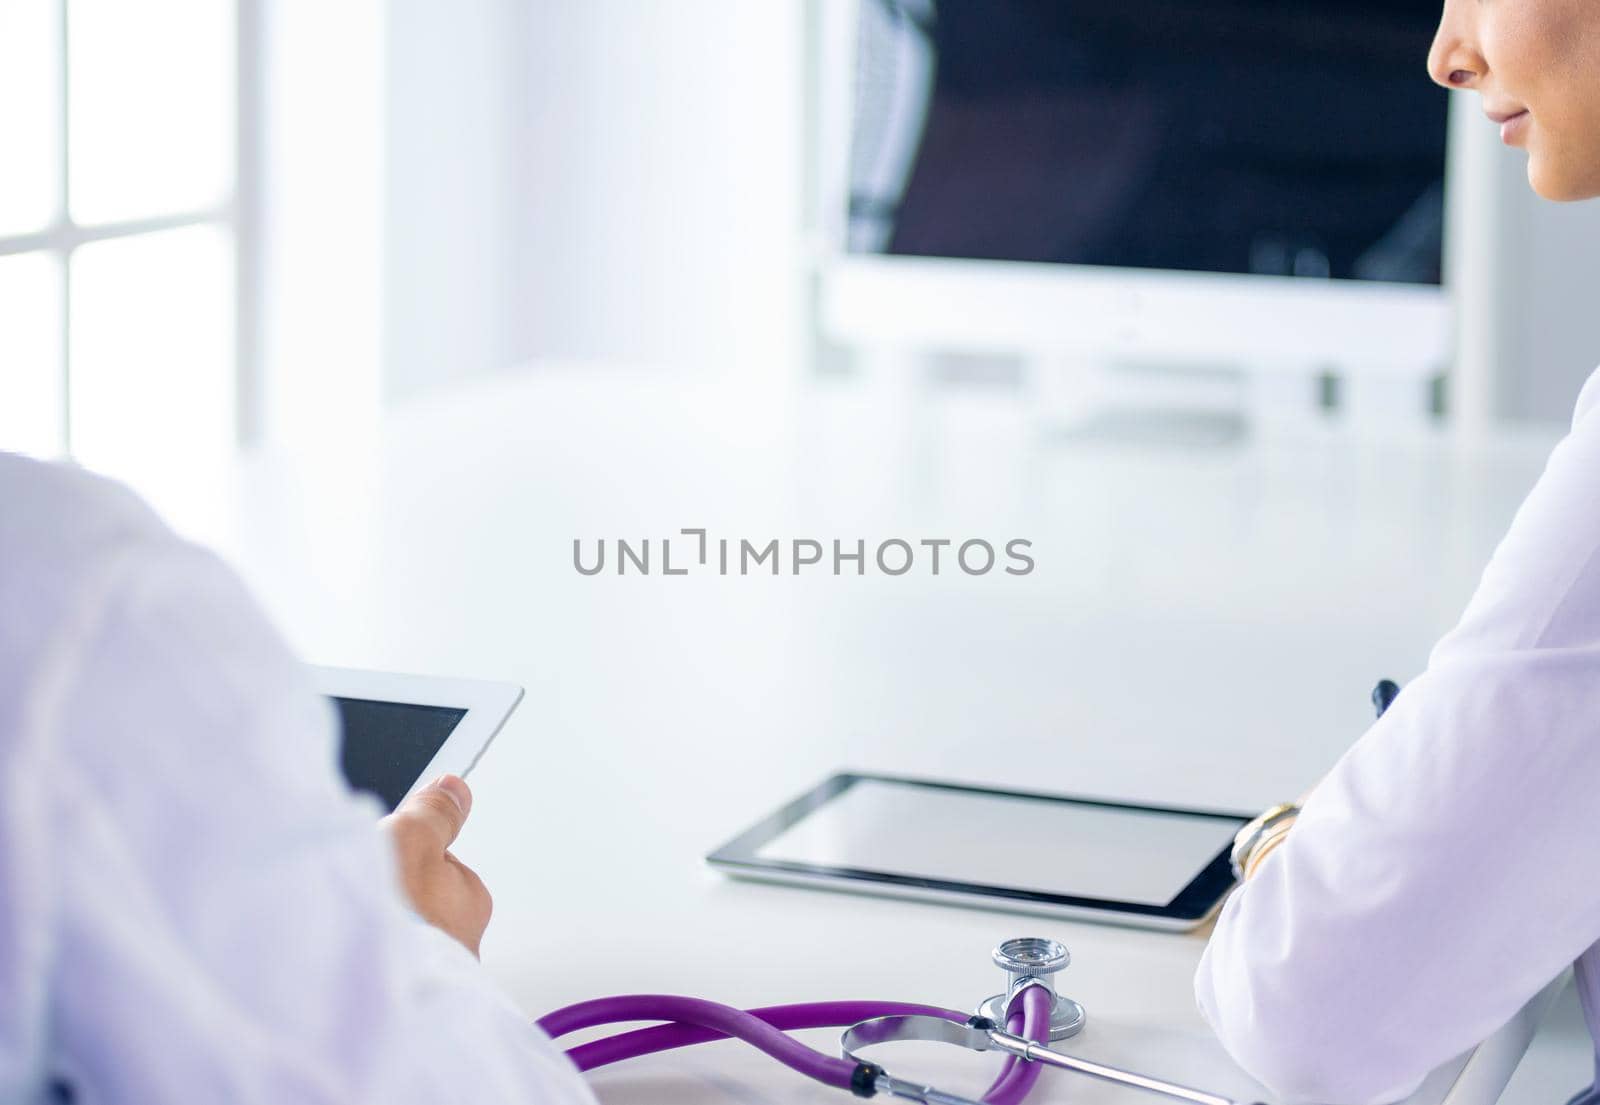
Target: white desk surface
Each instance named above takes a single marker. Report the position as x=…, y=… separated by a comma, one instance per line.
x=1202, y=628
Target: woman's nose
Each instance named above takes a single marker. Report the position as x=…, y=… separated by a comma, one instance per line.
x=1454, y=61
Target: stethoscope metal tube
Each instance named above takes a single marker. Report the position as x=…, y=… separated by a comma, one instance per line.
x=981, y=1034
x=1039, y=1053
x=891, y=1086
x=886, y=1030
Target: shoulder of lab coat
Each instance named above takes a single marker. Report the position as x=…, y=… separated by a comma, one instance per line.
x=190, y=899
x=1443, y=872
x=1588, y=397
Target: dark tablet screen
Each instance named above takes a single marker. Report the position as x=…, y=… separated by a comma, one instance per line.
x=385, y=746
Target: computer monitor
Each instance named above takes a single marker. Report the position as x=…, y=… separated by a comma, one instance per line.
x=1251, y=183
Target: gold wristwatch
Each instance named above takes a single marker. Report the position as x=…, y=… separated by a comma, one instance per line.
x=1268, y=826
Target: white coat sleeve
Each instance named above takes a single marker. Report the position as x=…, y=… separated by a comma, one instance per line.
x=227, y=922
x=1449, y=865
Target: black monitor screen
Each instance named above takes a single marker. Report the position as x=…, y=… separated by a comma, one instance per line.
x=1280, y=137
x=385, y=746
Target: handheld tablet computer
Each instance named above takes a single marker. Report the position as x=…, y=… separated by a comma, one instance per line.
x=1148, y=866
x=401, y=731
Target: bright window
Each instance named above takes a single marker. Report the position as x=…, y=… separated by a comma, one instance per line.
x=118, y=242
x=31, y=396
x=150, y=107
x=30, y=115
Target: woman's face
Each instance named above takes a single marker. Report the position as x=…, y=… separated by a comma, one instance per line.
x=1536, y=63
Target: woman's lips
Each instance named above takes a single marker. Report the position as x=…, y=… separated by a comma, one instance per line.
x=1513, y=126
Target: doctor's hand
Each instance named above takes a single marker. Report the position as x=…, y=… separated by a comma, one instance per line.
x=444, y=891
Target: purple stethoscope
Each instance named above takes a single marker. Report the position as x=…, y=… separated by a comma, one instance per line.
x=1032, y=1014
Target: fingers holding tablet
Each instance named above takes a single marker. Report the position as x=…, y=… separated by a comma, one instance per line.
x=444, y=891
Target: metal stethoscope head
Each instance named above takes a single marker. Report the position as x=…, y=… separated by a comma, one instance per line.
x=1034, y=961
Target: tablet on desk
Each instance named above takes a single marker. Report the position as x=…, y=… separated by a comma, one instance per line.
x=400, y=731
x=1150, y=866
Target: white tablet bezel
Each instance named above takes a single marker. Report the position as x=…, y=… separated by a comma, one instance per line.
x=487, y=705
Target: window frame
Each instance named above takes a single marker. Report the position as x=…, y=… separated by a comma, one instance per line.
x=238, y=213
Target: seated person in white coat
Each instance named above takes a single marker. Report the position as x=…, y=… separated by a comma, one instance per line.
x=193, y=906
x=1449, y=865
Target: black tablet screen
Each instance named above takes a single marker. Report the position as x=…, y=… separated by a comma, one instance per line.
x=385, y=746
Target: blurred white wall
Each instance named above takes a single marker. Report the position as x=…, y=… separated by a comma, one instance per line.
x=321, y=152
x=1523, y=273
x=1551, y=326
x=607, y=180
x=452, y=88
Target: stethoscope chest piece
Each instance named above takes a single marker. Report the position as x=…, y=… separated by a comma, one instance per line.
x=1034, y=961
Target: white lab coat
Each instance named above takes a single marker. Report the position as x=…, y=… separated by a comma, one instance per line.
x=192, y=906
x=1449, y=865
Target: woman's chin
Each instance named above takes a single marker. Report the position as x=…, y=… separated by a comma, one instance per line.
x=1549, y=182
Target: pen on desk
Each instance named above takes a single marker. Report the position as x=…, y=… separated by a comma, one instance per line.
x=1384, y=694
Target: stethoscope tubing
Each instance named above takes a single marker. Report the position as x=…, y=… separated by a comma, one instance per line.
x=1028, y=1016
x=693, y=1021
x=721, y=1020
x=668, y=1037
